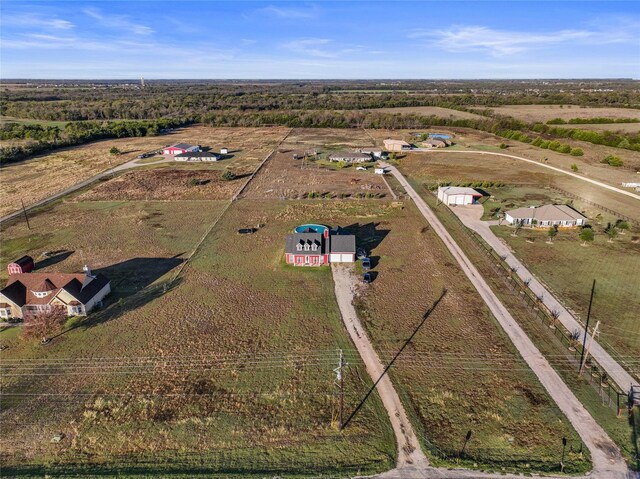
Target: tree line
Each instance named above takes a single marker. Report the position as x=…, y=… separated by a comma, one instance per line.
x=45, y=138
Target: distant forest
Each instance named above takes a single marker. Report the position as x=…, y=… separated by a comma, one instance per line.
x=115, y=109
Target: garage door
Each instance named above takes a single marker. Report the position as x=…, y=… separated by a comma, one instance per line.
x=459, y=199
x=341, y=258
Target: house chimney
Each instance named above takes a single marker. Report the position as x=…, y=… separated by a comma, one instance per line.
x=87, y=270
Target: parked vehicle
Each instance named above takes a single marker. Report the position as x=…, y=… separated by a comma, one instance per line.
x=361, y=253
x=366, y=263
x=367, y=277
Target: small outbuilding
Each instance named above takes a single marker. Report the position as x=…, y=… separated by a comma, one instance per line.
x=457, y=195
x=224, y=151
x=379, y=171
x=22, y=265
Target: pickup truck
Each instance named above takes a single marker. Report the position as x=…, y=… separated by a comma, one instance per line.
x=366, y=263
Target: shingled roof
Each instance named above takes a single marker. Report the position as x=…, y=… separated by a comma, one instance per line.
x=21, y=288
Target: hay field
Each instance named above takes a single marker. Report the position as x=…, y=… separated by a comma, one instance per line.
x=227, y=372
x=42, y=176
x=544, y=113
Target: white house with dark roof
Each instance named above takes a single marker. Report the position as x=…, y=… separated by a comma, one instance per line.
x=33, y=293
x=351, y=157
x=562, y=216
x=197, y=156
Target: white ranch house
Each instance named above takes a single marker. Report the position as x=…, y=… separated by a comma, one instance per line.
x=562, y=216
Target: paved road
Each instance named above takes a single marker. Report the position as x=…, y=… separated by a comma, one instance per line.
x=470, y=215
x=607, y=460
x=409, y=451
x=125, y=166
x=554, y=168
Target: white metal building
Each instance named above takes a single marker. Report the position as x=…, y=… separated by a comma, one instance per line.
x=457, y=195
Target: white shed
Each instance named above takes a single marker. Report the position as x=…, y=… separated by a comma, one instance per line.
x=380, y=171
x=456, y=195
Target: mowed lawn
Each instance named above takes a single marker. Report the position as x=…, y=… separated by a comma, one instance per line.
x=460, y=373
x=226, y=371
x=569, y=269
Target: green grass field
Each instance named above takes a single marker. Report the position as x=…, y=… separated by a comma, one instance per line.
x=569, y=270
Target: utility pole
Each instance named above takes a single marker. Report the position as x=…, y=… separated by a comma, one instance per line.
x=24, y=210
x=595, y=331
x=340, y=384
x=586, y=328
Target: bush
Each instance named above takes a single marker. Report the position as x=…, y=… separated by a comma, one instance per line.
x=228, y=175
x=114, y=151
x=612, y=160
x=576, y=152
x=574, y=167
x=565, y=148
x=503, y=146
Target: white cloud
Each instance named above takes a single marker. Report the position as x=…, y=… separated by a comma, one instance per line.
x=504, y=42
x=320, y=48
x=118, y=22
x=31, y=20
x=290, y=12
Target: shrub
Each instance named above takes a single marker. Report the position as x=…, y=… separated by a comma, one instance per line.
x=574, y=167
x=503, y=146
x=576, y=152
x=612, y=160
x=228, y=175
x=114, y=151
x=565, y=148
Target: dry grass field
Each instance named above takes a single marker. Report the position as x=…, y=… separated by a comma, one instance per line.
x=228, y=370
x=429, y=111
x=621, y=128
x=65, y=167
x=165, y=184
x=544, y=113
x=285, y=178
x=327, y=139
x=431, y=168
x=460, y=372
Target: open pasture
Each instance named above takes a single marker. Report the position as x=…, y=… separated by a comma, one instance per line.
x=544, y=113
x=227, y=370
x=327, y=139
x=460, y=372
x=63, y=168
x=568, y=269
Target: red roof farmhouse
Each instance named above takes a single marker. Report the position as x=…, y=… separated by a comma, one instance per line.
x=315, y=245
x=40, y=292
x=179, y=148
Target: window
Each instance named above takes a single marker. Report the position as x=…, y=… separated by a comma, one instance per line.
x=314, y=247
x=4, y=313
x=306, y=246
x=40, y=294
x=76, y=310
x=298, y=259
x=299, y=247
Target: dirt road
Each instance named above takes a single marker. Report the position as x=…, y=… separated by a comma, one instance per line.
x=470, y=216
x=607, y=460
x=409, y=451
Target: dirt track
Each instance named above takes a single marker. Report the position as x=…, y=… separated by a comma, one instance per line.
x=409, y=451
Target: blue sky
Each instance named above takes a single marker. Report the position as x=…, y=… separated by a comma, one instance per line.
x=265, y=40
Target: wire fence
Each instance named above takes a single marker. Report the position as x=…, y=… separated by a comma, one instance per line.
x=610, y=393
